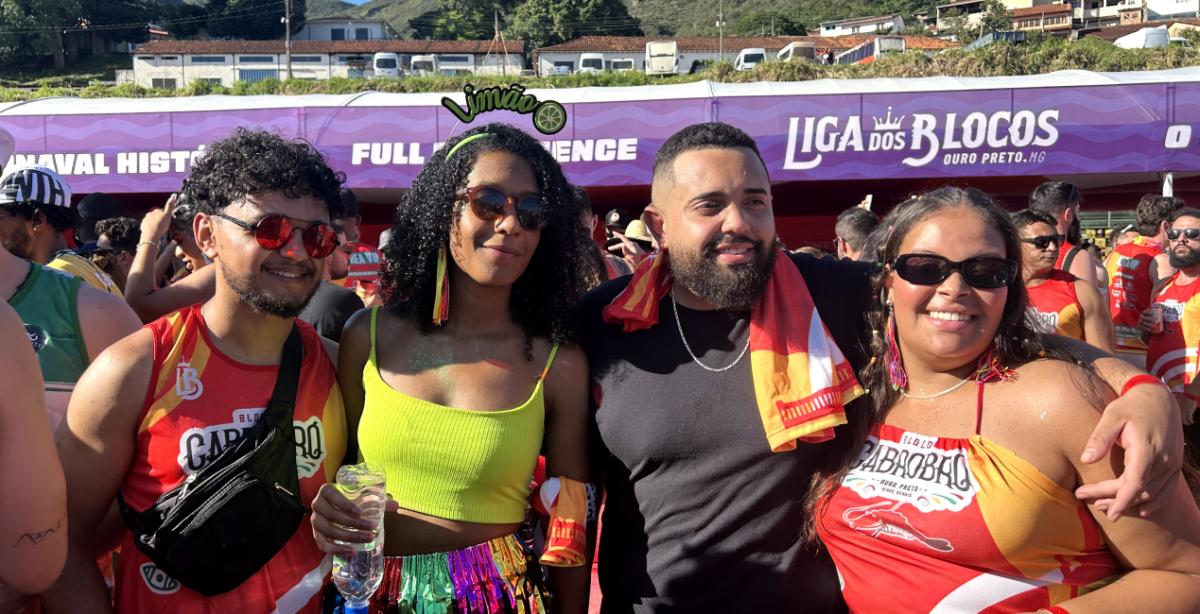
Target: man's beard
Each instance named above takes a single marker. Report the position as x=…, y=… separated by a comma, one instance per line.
x=1191, y=258
x=736, y=288
x=261, y=300
x=19, y=243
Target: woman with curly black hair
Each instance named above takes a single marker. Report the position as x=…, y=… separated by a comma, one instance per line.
x=464, y=376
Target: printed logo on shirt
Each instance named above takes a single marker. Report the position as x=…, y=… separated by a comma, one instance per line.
x=913, y=470
x=37, y=337
x=200, y=446
x=157, y=580
x=885, y=518
x=187, y=382
x=1043, y=322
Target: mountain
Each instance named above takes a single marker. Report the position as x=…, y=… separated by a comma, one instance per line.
x=681, y=17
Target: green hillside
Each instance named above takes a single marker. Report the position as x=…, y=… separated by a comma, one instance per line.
x=682, y=17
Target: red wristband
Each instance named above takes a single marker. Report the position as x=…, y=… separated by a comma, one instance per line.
x=1138, y=380
x=1057, y=609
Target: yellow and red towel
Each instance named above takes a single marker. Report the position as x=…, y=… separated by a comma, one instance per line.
x=802, y=381
x=566, y=502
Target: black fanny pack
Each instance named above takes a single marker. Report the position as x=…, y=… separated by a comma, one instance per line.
x=228, y=519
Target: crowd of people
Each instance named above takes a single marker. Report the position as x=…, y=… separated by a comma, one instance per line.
x=764, y=430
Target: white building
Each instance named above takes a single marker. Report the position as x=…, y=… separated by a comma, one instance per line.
x=1161, y=9
x=177, y=64
x=342, y=28
x=1105, y=13
x=890, y=24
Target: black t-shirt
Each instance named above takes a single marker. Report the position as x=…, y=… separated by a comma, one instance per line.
x=700, y=515
x=329, y=309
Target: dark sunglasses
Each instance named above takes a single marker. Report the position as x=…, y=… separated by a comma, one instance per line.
x=489, y=204
x=275, y=230
x=981, y=272
x=1191, y=233
x=1044, y=241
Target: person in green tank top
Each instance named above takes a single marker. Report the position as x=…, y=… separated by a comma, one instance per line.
x=68, y=322
x=466, y=373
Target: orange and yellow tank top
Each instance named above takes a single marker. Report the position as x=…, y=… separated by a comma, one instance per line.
x=1171, y=356
x=1130, y=290
x=1054, y=307
x=957, y=525
x=198, y=402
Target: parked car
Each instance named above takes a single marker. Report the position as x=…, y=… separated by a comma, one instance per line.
x=386, y=64
x=622, y=65
x=591, y=63
x=559, y=71
x=748, y=58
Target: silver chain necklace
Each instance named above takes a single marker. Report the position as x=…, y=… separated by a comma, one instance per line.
x=679, y=325
x=926, y=397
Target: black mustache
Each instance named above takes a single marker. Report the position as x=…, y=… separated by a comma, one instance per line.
x=728, y=239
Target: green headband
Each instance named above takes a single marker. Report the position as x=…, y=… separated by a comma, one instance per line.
x=459, y=145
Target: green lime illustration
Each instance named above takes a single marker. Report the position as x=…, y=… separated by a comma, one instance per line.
x=550, y=117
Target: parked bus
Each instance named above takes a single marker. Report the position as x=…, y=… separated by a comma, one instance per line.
x=452, y=64
x=662, y=58
x=800, y=50
x=871, y=50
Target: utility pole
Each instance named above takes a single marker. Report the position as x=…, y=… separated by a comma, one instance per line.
x=721, y=30
x=287, y=36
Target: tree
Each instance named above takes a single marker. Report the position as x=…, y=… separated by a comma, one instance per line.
x=758, y=23
x=454, y=21
x=101, y=15
x=252, y=19
x=995, y=18
x=955, y=24
x=548, y=22
x=31, y=29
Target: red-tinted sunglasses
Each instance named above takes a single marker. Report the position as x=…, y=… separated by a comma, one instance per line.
x=489, y=204
x=275, y=230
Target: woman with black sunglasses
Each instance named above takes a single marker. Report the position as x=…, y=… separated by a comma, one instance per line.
x=960, y=496
x=456, y=385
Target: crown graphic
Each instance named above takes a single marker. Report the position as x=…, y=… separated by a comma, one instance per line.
x=889, y=122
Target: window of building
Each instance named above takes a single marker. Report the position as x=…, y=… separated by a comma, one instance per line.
x=307, y=59
x=146, y=58
x=210, y=80
x=361, y=34
x=162, y=84
x=257, y=59
x=353, y=59
x=454, y=59
x=169, y=58
x=208, y=59
x=337, y=34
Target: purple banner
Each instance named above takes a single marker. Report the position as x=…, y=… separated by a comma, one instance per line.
x=1065, y=130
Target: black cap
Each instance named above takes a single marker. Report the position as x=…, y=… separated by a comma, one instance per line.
x=617, y=219
x=349, y=203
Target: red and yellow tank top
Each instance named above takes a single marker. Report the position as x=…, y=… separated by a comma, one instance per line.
x=957, y=525
x=1054, y=307
x=1062, y=254
x=198, y=402
x=1171, y=356
x=1130, y=290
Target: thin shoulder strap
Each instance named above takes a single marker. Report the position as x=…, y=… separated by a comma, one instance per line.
x=374, y=315
x=979, y=411
x=549, y=361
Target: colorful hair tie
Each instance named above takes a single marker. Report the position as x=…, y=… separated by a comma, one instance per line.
x=458, y=145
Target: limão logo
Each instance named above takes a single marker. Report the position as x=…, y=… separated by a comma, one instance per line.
x=549, y=117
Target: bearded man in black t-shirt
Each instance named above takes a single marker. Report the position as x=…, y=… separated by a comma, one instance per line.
x=701, y=515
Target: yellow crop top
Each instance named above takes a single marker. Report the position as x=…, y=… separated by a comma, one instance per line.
x=458, y=464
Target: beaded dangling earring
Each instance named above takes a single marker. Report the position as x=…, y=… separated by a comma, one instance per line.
x=895, y=364
x=441, y=296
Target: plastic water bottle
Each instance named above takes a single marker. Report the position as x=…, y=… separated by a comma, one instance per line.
x=357, y=576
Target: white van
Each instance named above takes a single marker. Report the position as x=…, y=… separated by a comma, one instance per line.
x=424, y=65
x=591, y=63
x=749, y=58
x=662, y=58
x=622, y=65
x=386, y=64
x=452, y=64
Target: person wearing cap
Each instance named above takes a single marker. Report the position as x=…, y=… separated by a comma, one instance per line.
x=93, y=209
x=69, y=323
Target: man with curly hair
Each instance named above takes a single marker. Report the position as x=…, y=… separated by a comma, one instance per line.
x=116, y=243
x=166, y=401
